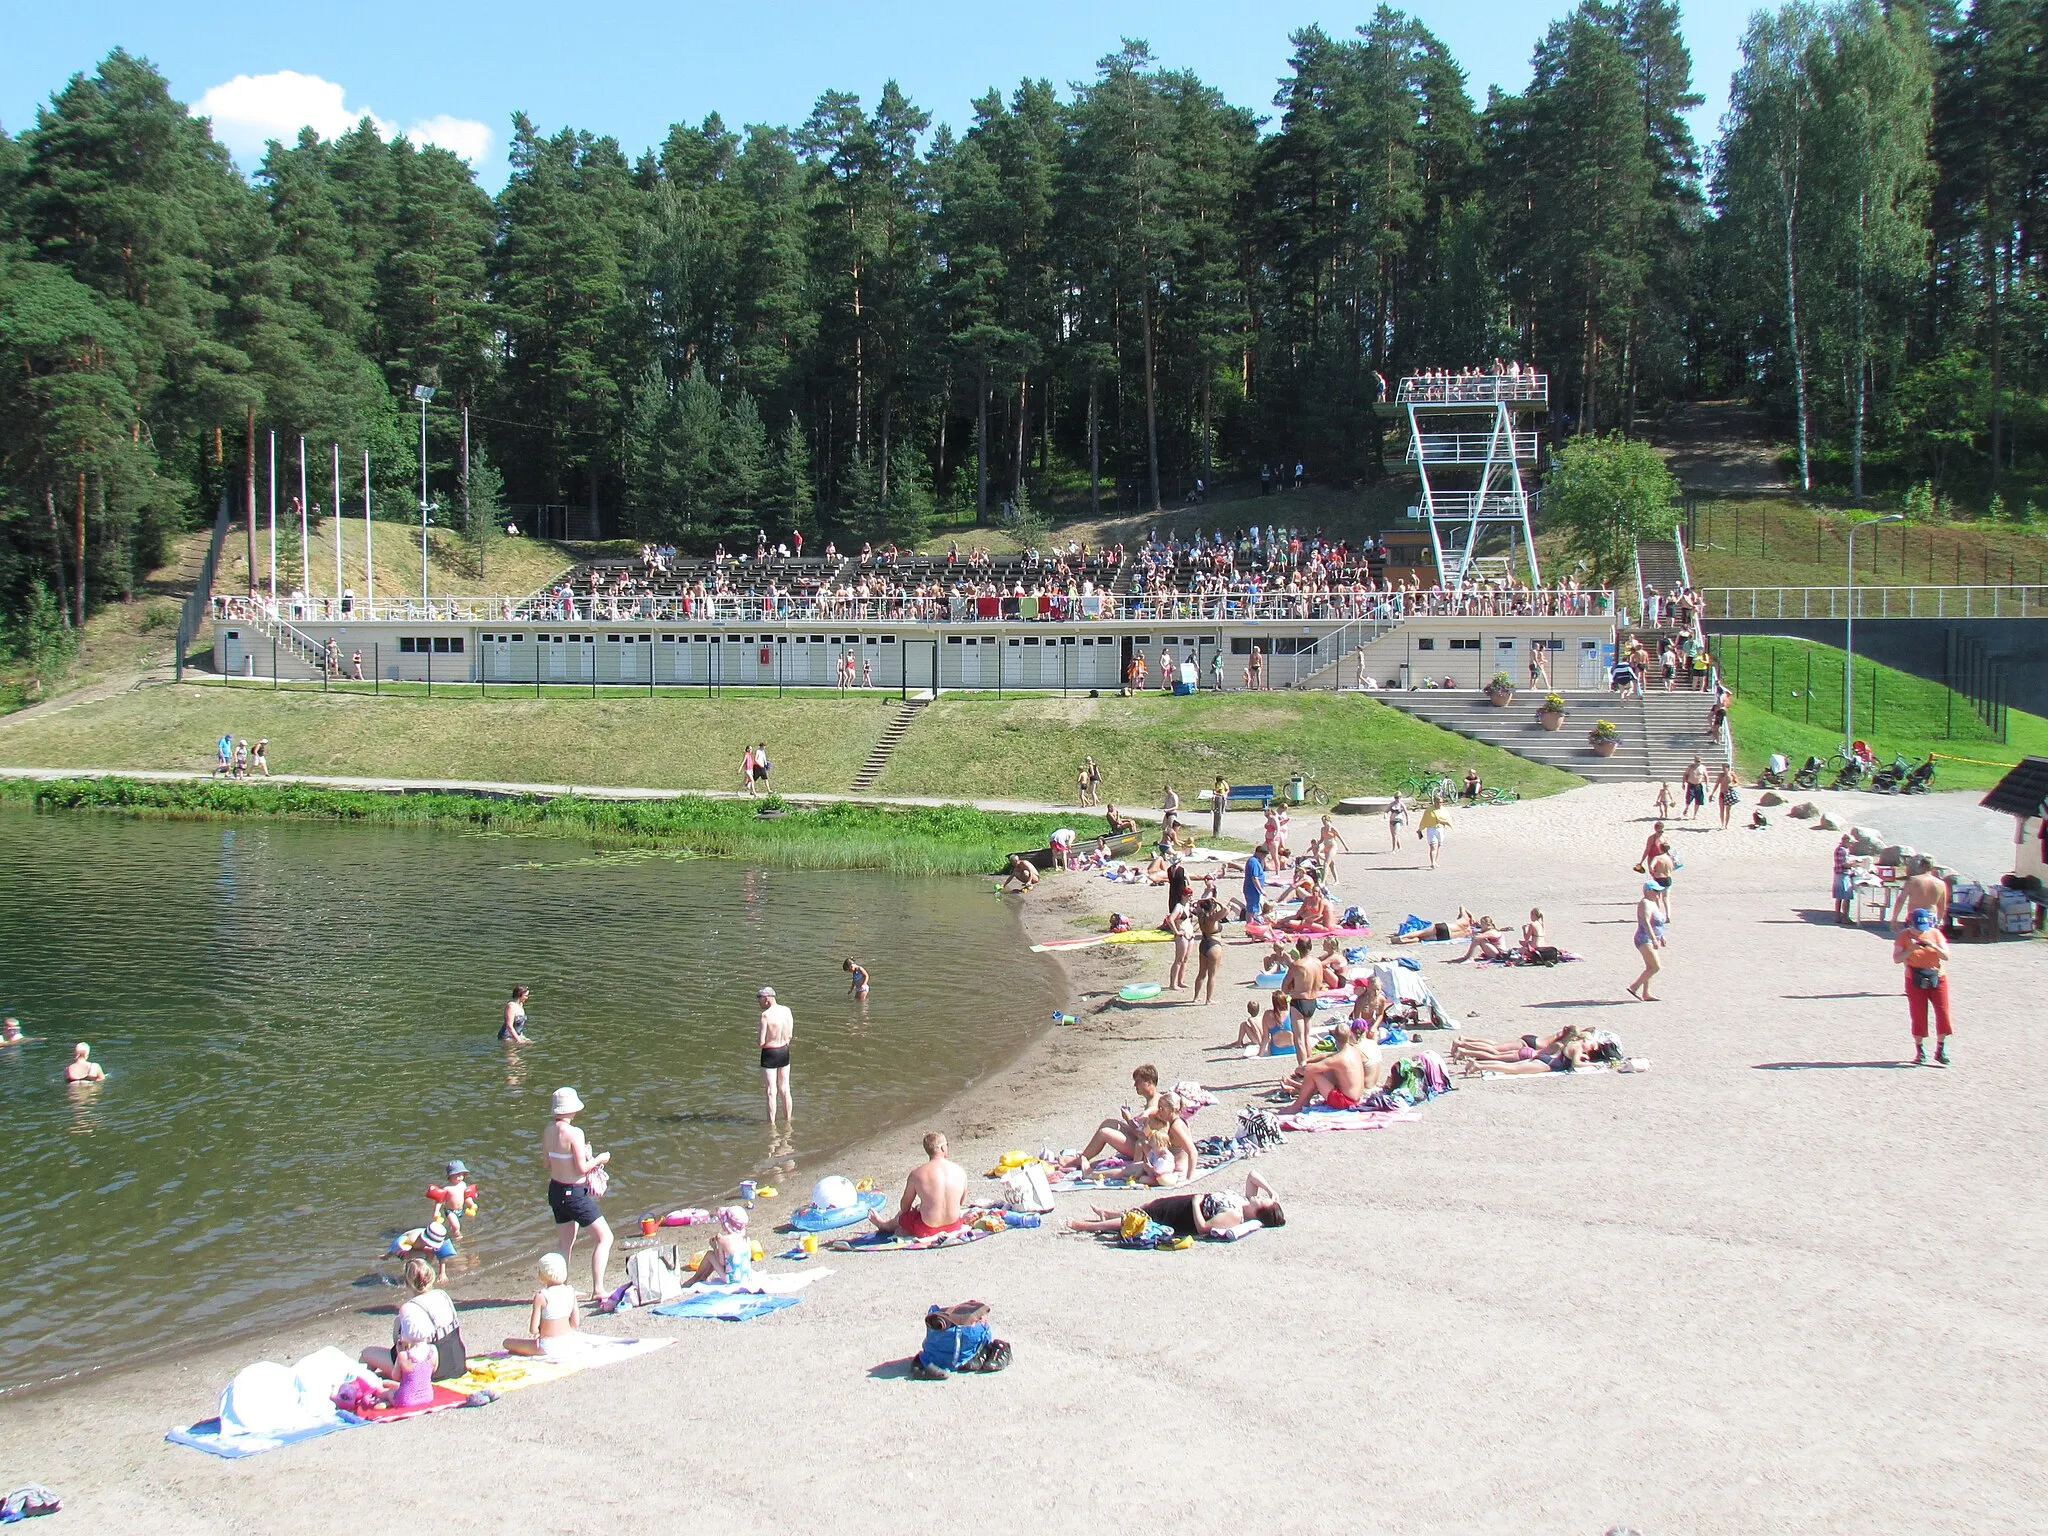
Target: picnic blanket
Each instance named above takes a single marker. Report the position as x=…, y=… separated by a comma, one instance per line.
x=1316, y=1118
x=502, y=1372
x=1120, y=1175
x=444, y=1397
x=206, y=1436
x=725, y=1308
x=889, y=1242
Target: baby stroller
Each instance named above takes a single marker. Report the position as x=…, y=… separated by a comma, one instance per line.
x=1921, y=779
x=1808, y=777
x=1773, y=776
x=1854, y=771
x=1892, y=775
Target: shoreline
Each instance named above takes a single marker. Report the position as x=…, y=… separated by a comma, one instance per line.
x=781, y=831
x=1686, y=1274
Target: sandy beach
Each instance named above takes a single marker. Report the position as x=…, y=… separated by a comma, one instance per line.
x=1779, y=1281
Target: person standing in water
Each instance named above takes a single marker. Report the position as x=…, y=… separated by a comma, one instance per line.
x=858, y=986
x=778, y=1028
x=84, y=1069
x=572, y=1201
x=514, y=1027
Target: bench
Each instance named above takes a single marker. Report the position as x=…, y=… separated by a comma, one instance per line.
x=1258, y=796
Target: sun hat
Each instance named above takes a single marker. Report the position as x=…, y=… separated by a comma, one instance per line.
x=732, y=1218
x=566, y=1102
x=834, y=1192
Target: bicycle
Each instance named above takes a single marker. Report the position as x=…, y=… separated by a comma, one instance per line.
x=1499, y=796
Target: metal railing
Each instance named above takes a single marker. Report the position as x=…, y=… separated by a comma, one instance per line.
x=1471, y=447
x=2017, y=601
x=1233, y=607
x=1485, y=389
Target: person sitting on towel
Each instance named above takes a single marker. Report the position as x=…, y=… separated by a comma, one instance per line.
x=1347, y=1076
x=933, y=1195
x=1198, y=1215
x=729, y=1260
x=1122, y=1135
x=1488, y=942
x=1314, y=913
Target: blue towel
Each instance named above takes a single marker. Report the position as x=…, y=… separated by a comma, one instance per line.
x=725, y=1309
x=206, y=1436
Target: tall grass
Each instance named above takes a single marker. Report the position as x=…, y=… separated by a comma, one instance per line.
x=918, y=840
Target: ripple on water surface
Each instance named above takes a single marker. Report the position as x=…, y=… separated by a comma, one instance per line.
x=298, y=1024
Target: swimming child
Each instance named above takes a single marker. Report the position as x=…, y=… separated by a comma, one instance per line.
x=555, y=1314
x=458, y=1195
x=858, y=986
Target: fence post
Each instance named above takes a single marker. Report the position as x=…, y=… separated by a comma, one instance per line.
x=537, y=641
x=376, y=666
x=430, y=668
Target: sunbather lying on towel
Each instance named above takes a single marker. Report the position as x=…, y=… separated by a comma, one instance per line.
x=933, y=1195
x=1459, y=927
x=1465, y=1048
x=1198, y=1215
x=1346, y=1076
x=1567, y=1051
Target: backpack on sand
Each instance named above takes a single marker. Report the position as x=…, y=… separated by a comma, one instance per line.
x=957, y=1339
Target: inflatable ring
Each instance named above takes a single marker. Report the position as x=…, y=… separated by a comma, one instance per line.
x=1139, y=991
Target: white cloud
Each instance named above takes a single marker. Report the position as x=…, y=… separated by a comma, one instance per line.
x=250, y=110
x=463, y=136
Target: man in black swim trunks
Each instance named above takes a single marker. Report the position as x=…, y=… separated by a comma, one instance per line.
x=778, y=1028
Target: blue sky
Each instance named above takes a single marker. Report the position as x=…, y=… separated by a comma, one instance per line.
x=454, y=72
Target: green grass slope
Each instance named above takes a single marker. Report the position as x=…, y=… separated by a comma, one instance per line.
x=1030, y=747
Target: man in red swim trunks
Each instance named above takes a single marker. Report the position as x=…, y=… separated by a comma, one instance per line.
x=932, y=1196
x=1346, y=1077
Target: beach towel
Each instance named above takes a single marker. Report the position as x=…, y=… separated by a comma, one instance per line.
x=759, y=1285
x=206, y=1436
x=725, y=1308
x=1130, y=936
x=502, y=1372
x=444, y=1397
x=1317, y=1118
x=1121, y=1175
x=889, y=1242
x=1591, y=1070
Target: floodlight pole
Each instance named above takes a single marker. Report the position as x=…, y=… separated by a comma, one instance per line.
x=423, y=393
x=1849, y=634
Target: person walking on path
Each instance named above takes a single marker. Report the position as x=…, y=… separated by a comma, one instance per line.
x=761, y=767
x=1432, y=829
x=747, y=770
x=1219, y=801
x=778, y=1028
x=1695, y=787
x=1725, y=794
x=576, y=1180
x=1923, y=951
x=1649, y=939
x=1397, y=818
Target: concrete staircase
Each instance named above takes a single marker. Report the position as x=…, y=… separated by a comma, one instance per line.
x=1660, y=732
x=892, y=733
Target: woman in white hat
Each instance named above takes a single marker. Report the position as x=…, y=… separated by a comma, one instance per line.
x=575, y=1180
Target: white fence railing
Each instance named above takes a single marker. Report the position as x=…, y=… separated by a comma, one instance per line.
x=1471, y=447
x=1234, y=607
x=1482, y=389
x=2019, y=601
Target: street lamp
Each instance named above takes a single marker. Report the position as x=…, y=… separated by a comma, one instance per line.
x=1849, y=637
x=423, y=393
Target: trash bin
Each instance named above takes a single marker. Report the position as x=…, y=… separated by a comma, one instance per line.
x=1297, y=789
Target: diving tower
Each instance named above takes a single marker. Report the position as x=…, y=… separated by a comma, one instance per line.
x=1476, y=458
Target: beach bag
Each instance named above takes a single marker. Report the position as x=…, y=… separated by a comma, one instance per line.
x=1258, y=1129
x=652, y=1278
x=1028, y=1189
x=957, y=1338
x=597, y=1181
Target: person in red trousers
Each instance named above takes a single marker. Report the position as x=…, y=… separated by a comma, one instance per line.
x=1922, y=950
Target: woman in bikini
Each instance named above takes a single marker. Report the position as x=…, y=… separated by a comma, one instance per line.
x=1566, y=1053
x=571, y=1199
x=1198, y=1215
x=1181, y=923
x=1397, y=818
x=1208, y=915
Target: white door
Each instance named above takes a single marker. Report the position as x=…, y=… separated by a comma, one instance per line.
x=558, y=656
x=1590, y=670
x=586, y=666
x=970, y=662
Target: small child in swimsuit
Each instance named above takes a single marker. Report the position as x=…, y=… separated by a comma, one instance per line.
x=858, y=987
x=730, y=1258
x=555, y=1313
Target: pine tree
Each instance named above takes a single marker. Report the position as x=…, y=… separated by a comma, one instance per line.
x=789, y=492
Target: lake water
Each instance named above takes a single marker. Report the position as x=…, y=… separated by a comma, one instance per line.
x=299, y=1028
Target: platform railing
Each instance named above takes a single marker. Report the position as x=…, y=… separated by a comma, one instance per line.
x=1236, y=606
x=1471, y=447
x=2010, y=601
x=1485, y=389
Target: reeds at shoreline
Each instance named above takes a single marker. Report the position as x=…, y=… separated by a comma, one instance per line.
x=904, y=839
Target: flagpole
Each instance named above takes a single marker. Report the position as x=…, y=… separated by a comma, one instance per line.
x=369, y=564
x=337, y=527
x=305, y=550
x=273, y=525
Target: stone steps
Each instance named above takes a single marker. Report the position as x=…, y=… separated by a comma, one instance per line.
x=1660, y=733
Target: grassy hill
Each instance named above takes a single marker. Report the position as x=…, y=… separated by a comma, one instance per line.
x=1789, y=700
x=963, y=747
